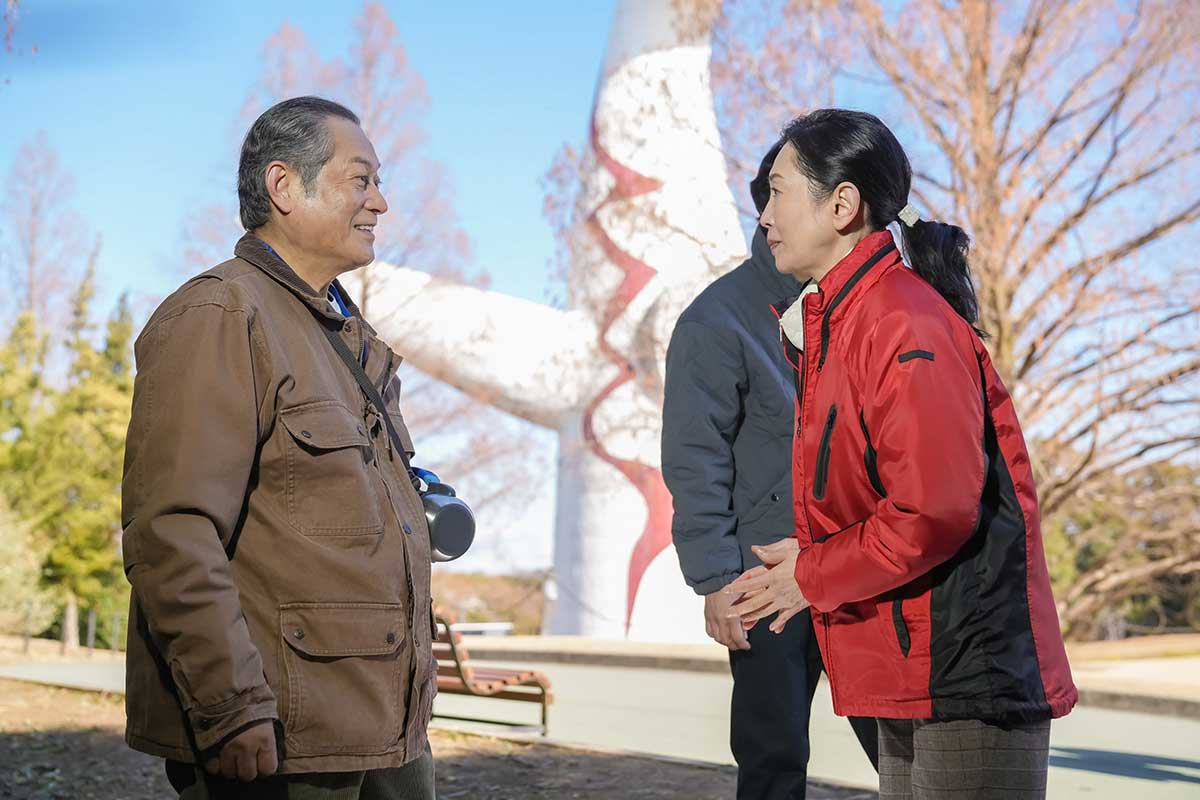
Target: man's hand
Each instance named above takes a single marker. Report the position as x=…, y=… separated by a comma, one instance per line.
x=717, y=623
x=248, y=755
x=768, y=589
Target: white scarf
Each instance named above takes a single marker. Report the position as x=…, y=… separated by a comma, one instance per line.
x=791, y=324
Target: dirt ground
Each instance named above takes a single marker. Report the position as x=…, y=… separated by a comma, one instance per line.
x=59, y=744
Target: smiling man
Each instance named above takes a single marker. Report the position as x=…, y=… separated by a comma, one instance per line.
x=280, y=637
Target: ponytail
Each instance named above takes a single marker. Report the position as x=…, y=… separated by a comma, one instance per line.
x=938, y=253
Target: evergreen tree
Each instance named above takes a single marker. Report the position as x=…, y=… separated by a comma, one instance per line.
x=23, y=397
x=23, y=601
x=74, y=480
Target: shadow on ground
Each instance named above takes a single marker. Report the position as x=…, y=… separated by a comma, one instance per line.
x=470, y=766
x=77, y=764
x=95, y=764
x=1127, y=765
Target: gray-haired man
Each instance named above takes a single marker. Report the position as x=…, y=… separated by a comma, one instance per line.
x=280, y=643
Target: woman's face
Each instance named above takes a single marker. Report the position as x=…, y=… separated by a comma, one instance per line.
x=806, y=236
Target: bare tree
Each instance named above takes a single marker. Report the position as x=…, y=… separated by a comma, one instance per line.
x=10, y=23
x=379, y=83
x=1134, y=554
x=1064, y=137
x=9, y=18
x=42, y=235
x=42, y=253
x=462, y=439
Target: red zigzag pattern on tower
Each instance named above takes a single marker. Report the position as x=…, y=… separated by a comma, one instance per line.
x=648, y=480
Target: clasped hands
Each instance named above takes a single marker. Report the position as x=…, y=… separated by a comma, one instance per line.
x=768, y=589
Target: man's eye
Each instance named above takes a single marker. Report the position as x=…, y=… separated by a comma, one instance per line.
x=366, y=181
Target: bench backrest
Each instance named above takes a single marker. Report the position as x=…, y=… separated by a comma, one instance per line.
x=451, y=653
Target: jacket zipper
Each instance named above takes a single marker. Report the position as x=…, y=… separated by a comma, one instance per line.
x=821, y=480
x=803, y=380
x=828, y=652
x=801, y=374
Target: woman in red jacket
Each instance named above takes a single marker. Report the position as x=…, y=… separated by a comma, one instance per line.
x=917, y=545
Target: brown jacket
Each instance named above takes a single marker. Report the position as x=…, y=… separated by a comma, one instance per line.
x=278, y=553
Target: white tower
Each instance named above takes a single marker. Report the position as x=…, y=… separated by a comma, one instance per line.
x=660, y=225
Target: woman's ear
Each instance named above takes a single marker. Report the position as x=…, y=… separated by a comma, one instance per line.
x=847, y=207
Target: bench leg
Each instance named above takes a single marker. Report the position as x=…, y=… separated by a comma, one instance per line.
x=545, y=708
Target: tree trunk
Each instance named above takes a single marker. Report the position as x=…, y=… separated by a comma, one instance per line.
x=70, y=631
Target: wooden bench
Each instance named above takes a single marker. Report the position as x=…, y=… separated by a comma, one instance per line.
x=457, y=676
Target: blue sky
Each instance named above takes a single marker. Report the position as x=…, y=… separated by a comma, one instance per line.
x=140, y=99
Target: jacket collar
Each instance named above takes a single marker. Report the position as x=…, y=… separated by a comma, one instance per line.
x=875, y=251
x=254, y=250
x=851, y=276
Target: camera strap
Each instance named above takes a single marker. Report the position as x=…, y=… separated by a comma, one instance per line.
x=372, y=394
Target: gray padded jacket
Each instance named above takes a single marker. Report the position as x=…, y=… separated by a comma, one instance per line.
x=727, y=423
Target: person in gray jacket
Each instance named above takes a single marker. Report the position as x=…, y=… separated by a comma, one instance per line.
x=728, y=414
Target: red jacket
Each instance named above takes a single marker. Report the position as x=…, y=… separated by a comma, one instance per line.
x=916, y=511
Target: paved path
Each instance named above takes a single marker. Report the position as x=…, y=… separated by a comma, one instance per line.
x=1096, y=753
x=93, y=676
x=1154, y=674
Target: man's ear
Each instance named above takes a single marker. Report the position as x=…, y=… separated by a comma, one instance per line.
x=282, y=186
x=848, y=209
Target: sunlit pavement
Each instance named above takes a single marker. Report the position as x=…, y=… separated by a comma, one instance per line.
x=1095, y=753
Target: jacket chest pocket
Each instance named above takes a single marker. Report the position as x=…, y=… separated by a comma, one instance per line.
x=331, y=482
x=824, y=453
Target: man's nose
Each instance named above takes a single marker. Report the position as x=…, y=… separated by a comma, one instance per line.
x=376, y=201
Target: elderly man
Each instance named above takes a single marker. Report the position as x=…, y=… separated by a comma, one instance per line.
x=728, y=416
x=281, y=623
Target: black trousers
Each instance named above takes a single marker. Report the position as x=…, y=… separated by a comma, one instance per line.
x=773, y=686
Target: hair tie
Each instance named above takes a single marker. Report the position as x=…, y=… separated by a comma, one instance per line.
x=908, y=215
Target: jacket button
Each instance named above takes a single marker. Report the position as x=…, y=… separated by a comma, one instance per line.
x=298, y=633
x=774, y=497
x=204, y=724
x=391, y=638
x=306, y=434
x=405, y=527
